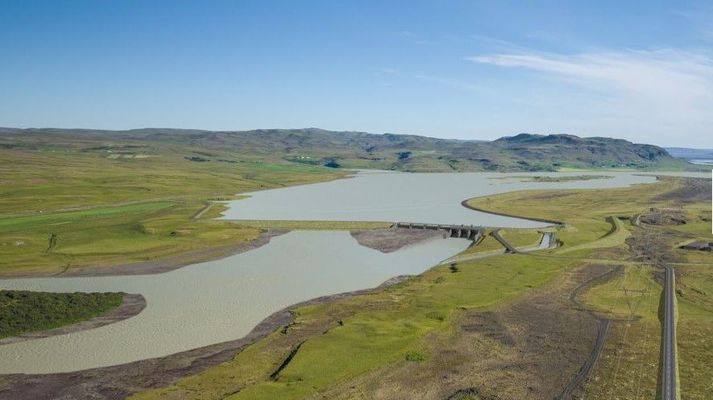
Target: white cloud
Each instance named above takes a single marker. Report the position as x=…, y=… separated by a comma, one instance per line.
x=666, y=91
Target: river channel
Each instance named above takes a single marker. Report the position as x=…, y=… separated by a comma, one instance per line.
x=221, y=300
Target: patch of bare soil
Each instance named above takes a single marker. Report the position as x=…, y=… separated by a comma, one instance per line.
x=171, y=263
x=530, y=349
x=390, y=240
x=131, y=305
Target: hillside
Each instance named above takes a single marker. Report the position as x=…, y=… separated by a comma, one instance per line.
x=523, y=152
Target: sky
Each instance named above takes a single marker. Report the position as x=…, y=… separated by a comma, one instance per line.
x=637, y=70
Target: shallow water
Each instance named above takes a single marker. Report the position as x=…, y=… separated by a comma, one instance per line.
x=405, y=197
x=215, y=301
x=221, y=300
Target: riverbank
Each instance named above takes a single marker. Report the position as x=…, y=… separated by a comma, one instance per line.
x=390, y=240
x=467, y=204
x=386, y=325
x=385, y=240
x=125, y=210
x=171, y=263
x=454, y=330
x=121, y=381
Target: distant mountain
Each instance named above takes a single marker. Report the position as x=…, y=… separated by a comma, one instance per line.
x=522, y=152
x=690, y=154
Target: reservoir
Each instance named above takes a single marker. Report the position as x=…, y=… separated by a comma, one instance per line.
x=221, y=300
x=407, y=197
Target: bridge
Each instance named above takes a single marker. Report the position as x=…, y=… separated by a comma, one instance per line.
x=470, y=232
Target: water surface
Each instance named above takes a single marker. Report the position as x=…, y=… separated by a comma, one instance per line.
x=215, y=301
x=221, y=300
x=406, y=197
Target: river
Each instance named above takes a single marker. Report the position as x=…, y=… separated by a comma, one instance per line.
x=221, y=300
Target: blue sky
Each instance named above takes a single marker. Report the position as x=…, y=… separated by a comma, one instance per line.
x=457, y=69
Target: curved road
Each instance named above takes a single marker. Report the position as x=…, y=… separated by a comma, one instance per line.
x=668, y=339
x=547, y=241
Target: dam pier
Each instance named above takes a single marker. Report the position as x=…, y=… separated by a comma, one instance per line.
x=470, y=232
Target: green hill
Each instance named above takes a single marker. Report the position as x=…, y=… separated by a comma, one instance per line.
x=523, y=152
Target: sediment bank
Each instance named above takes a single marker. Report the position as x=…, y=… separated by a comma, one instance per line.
x=390, y=240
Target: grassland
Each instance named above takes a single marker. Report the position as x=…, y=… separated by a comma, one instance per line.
x=68, y=204
x=76, y=198
x=584, y=224
x=24, y=311
x=346, y=345
x=375, y=330
x=102, y=200
x=629, y=364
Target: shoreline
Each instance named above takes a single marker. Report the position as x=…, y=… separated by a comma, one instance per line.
x=167, y=264
x=123, y=380
x=392, y=239
x=465, y=204
x=131, y=305
x=385, y=240
x=175, y=262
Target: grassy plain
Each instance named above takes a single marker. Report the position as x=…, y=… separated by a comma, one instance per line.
x=71, y=203
x=629, y=363
x=375, y=330
x=74, y=203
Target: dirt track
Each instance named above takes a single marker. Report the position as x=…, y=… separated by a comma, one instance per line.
x=602, y=329
x=531, y=348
